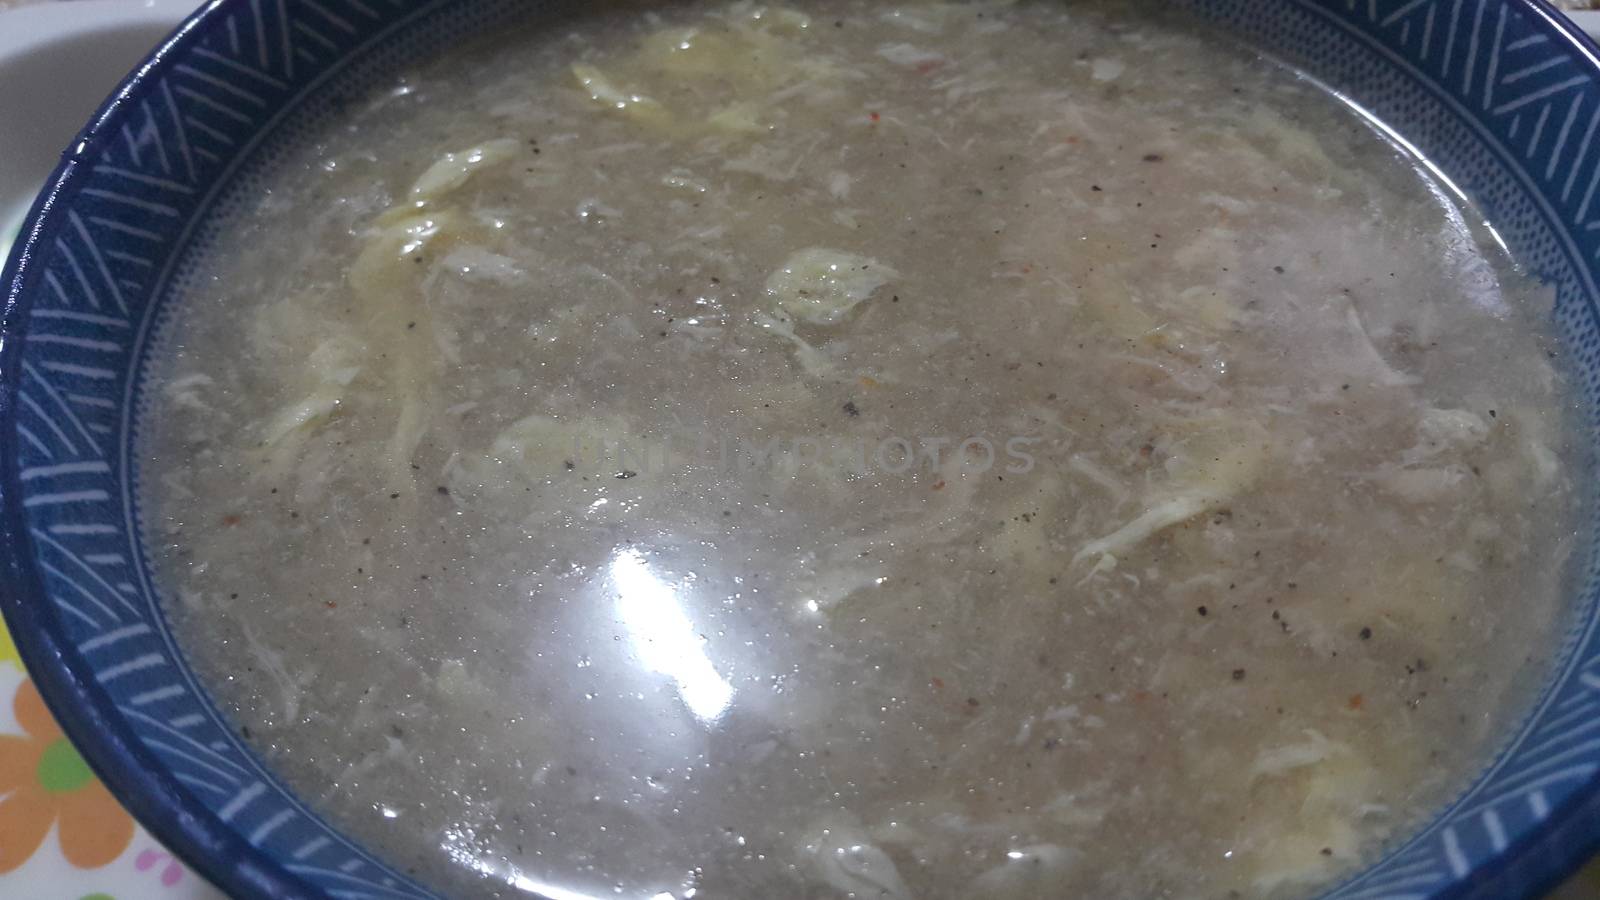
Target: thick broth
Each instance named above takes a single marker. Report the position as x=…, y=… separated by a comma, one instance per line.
x=531, y=478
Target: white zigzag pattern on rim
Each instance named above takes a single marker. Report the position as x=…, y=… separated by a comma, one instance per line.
x=1488, y=60
x=1541, y=91
x=144, y=189
x=202, y=111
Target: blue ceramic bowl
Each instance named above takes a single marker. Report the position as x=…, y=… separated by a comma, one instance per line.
x=1502, y=95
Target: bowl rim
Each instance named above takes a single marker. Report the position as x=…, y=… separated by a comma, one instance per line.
x=86, y=716
x=1536, y=861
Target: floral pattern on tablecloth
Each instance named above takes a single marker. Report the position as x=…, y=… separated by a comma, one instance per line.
x=62, y=835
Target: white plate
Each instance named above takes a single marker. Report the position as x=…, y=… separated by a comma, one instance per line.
x=57, y=63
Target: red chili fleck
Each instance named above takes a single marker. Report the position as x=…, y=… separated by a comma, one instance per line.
x=939, y=485
x=924, y=68
x=873, y=116
x=937, y=682
x=331, y=604
x=1355, y=701
x=230, y=520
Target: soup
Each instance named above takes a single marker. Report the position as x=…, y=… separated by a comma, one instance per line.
x=935, y=450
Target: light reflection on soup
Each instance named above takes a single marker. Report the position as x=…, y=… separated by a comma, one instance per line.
x=939, y=450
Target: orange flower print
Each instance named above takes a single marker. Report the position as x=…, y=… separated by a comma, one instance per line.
x=44, y=781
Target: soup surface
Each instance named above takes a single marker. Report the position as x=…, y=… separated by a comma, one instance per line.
x=938, y=450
